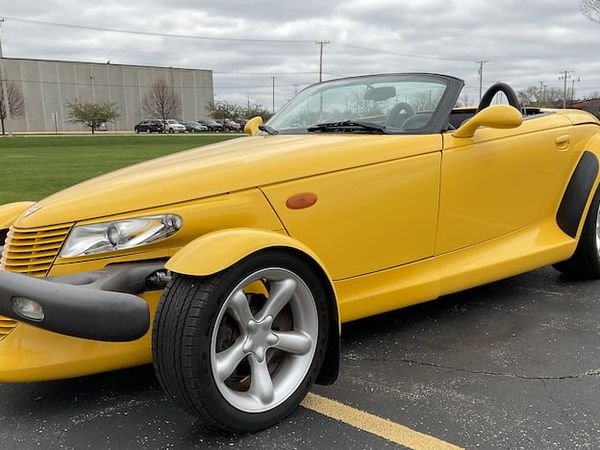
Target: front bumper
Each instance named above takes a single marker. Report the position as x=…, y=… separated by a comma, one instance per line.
x=99, y=305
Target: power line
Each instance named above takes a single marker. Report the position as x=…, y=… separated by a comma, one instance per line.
x=232, y=39
x=405, y=55
x=96, y=84
x=152, y=33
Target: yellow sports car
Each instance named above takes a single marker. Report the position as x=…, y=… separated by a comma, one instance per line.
x=231, y=267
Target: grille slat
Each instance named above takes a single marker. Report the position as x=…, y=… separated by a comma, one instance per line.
x=27, y=242
x=30, y=249
x=29, y=262
x=32, y=252
x=29, y=255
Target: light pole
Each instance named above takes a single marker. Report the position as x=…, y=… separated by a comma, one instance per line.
x=573, y=89
x=4, y=88
x=480, y=72
x=93, y=90
x=273, y=94
x=321, y=44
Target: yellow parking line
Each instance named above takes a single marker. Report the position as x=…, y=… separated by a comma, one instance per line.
x=375, y=425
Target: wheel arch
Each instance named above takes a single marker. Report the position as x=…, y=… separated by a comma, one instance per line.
x=216, y=251
x=580, y=189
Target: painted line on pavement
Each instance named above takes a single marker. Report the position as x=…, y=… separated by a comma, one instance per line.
x=375, y=425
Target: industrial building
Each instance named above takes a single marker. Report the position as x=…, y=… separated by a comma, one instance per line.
x=48, y=86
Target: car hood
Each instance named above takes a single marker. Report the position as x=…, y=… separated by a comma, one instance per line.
x=228, y=166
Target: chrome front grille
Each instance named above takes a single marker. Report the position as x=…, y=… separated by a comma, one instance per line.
x=32, y=252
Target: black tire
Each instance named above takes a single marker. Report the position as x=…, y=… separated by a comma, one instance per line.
x=182, y=333
x=585, y=262
x=137, y=131
x=171, y=130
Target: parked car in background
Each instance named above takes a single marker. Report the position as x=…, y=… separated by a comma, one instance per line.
x=194, y=127
x=172, y=126
x=229, y=125
x=212, y=125
x=149, y=126
x=242, y=123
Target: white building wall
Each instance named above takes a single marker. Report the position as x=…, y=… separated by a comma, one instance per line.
x=48, y=86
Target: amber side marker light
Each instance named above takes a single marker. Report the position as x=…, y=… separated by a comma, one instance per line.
x=301, y=201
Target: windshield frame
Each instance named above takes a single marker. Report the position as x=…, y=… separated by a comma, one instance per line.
x=440, y=115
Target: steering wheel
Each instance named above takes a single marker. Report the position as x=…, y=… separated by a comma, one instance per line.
x=398, y=115
x=511, y=96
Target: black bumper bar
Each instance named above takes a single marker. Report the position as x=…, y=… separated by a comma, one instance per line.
x=99, y=305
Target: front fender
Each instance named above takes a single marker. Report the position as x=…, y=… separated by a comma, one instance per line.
x=10, y=212
x=216, y=251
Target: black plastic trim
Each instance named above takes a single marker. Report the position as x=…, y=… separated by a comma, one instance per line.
x=85, y=305
x=576, y=195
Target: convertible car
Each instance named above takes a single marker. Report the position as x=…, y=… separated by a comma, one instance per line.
x=231, y=267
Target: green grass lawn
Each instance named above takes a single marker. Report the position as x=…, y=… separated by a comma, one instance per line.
x=32, y=168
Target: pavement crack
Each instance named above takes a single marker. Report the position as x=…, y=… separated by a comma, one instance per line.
x=591, y=373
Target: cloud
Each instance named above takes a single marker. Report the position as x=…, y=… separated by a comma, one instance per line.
x=525, y=42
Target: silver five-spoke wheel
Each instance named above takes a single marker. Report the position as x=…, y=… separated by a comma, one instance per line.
x=264, y=340
x=241, y=348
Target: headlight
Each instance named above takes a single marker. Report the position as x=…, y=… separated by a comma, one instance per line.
x=119, y=235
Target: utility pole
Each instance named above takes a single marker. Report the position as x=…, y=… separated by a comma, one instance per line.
x=321, y=44
x=542, y=96
x=273, y=94
x=573, y=89
x=565, y=76
x=480, y=72
x=4, y=88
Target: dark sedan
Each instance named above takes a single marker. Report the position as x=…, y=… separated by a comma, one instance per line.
x=211, y=125
x=149, y=126
x=194, y=127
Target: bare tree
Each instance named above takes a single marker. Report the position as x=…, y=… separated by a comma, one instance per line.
x=162, y=101
x=591, y=8
x=16, y=103
x=542, y=97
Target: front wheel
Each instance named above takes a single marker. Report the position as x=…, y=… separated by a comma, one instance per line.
x=585, y=262
x=242, y=348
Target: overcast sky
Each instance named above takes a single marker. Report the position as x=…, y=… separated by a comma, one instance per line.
x=525, y=41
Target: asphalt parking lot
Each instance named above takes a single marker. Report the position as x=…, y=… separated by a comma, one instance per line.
x=513, y=364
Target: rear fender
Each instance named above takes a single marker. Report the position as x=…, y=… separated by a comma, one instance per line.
x=219, y=250
x=580, y=190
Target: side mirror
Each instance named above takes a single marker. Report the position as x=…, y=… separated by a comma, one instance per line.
x=497, y=116
x=252, y=125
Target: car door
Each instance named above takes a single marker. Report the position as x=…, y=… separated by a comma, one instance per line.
x=373, y=216
x=500, y=181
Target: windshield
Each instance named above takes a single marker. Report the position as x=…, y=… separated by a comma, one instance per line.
x=395, y=103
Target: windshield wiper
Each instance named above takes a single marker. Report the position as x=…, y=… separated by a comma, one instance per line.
x=346, y=125
x=268, y=129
